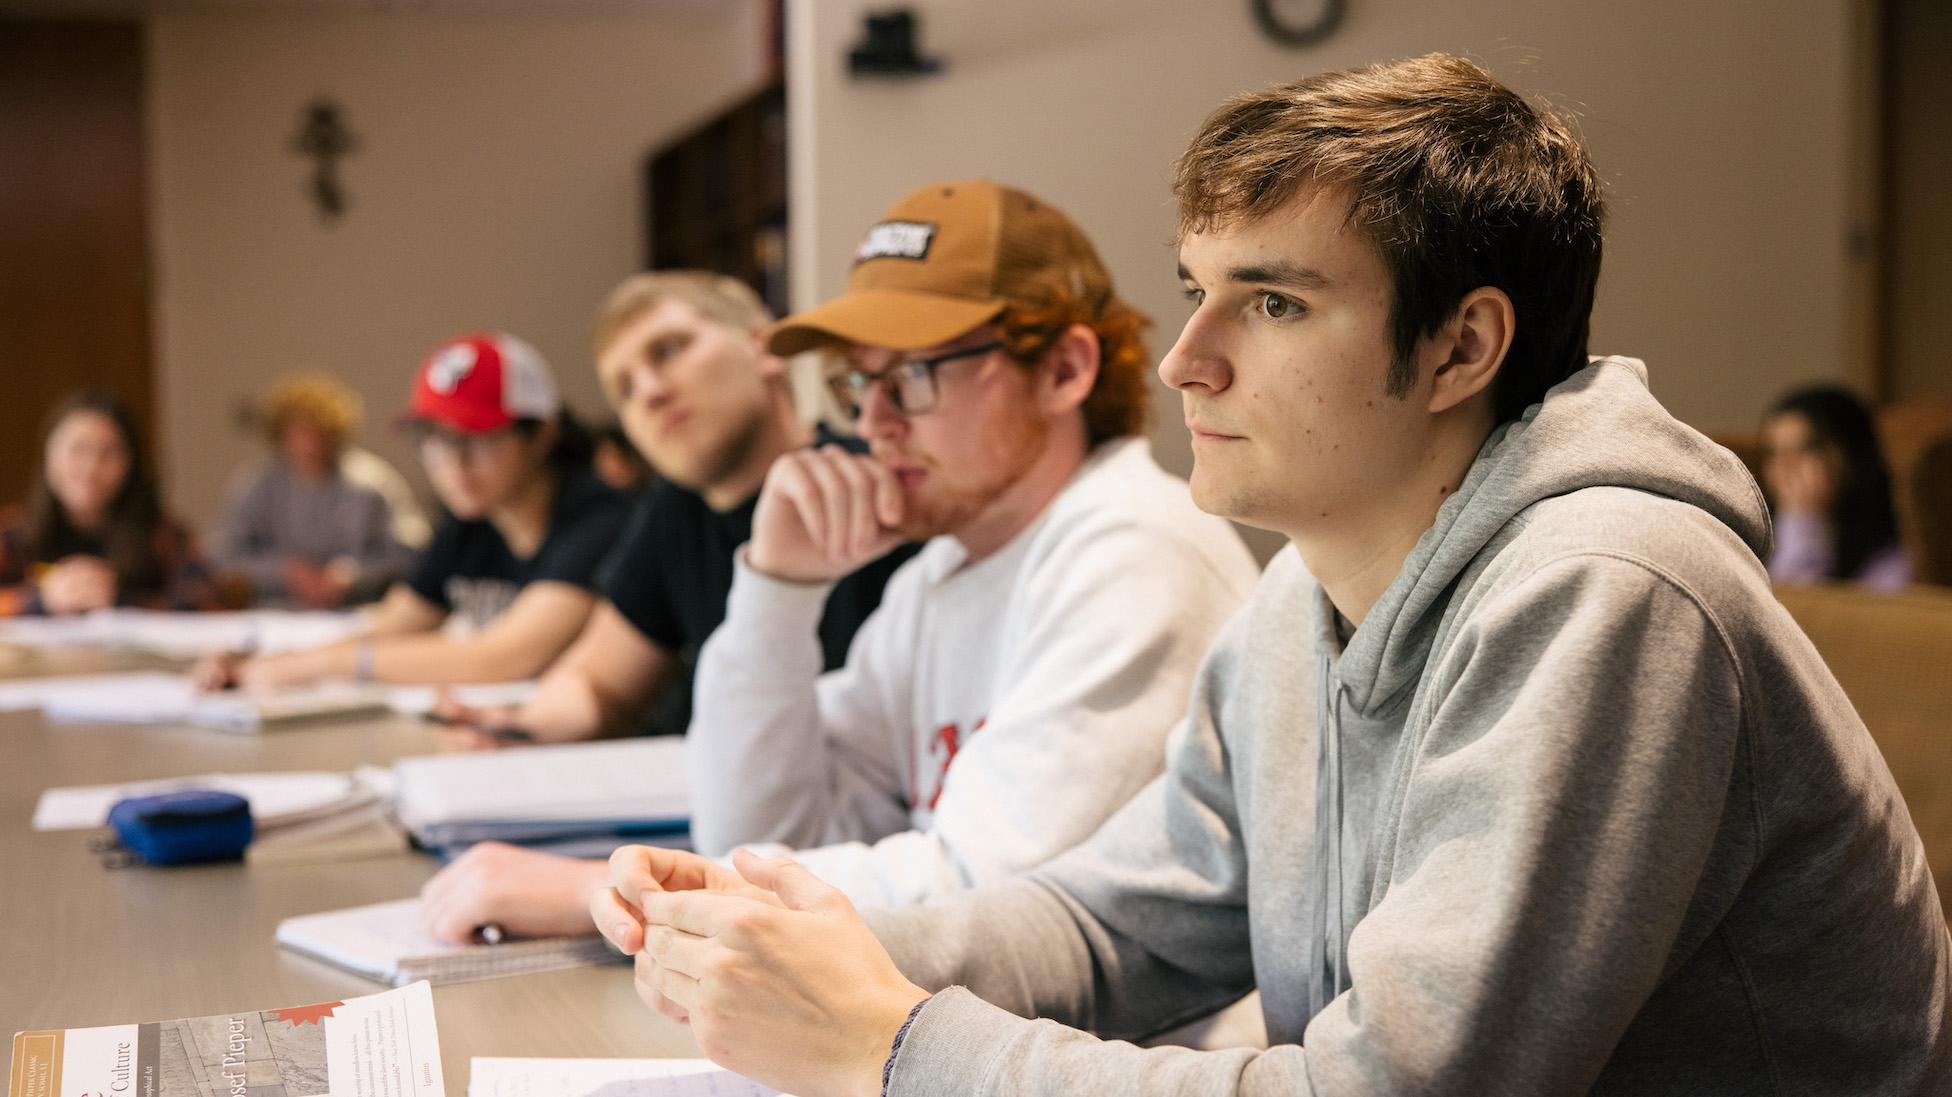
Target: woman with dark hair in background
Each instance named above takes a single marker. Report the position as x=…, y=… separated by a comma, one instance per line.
x=92, y=533
x=1830, y=493
x=505, y=584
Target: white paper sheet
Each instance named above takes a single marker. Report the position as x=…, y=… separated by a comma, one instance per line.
x=142, y=698
x=384, y=1045
x=489, y=1077
x=20, y=694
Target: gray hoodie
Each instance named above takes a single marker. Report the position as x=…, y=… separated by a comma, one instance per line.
x=1577, y=809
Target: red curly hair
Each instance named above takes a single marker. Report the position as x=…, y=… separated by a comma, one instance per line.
x=1120, y=400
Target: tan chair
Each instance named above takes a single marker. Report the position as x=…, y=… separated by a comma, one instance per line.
x=1907, y=430
x=1931, y=514
x=1893, y=656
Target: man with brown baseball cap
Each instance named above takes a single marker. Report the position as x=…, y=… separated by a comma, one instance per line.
x=947, y=258
x=1017, y=683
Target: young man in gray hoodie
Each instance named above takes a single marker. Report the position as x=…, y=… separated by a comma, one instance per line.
x=1513, y=778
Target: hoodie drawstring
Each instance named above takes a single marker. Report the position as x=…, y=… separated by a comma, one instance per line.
x=1325, y=943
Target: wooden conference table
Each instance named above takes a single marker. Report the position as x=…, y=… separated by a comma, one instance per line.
x=86, y=945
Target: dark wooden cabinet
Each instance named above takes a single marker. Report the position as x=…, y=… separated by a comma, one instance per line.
x=74, y=241
x=716, y=198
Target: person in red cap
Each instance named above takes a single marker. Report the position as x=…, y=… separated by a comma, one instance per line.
x=682, y=359
x=514, y=565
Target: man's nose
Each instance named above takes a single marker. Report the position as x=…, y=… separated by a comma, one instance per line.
x=880, y=417
x=1196, y=357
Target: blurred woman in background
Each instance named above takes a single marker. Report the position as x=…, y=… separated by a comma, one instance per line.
x=92, y=533
x=506, y=583
x=1830, y=493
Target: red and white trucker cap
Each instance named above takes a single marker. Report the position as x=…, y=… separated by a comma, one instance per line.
x=483, y=382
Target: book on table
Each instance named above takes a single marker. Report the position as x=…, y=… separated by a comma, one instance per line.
x=387, y=942
x=381, y=1042
x=630, y=787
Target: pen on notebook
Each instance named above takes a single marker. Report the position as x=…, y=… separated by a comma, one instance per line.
x=492, y=933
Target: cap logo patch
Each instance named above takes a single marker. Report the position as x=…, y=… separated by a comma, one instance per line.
x=896, y=240
x=450, y=366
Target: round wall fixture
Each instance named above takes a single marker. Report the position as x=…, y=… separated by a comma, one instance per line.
x=1298, y=22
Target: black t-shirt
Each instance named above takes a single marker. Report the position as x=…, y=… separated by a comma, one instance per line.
x=469, y=570
x=672, y=570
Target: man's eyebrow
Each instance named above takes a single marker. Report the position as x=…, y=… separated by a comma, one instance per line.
x=1281, y=273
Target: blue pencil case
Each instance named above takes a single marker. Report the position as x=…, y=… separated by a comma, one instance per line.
x=183, y=827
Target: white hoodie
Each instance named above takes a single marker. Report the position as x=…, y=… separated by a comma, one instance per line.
x=990, y=715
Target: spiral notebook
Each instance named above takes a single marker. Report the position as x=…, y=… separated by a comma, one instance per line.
x=388, y=943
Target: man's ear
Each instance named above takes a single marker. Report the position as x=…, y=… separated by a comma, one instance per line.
x=1069, y=370
x=770, y=365
x=1473, y=346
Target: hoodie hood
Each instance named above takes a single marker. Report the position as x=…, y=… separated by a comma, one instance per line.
x=1598, y=428
x=1601, y=427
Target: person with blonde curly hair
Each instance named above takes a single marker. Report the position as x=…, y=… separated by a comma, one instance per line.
x=297, y=531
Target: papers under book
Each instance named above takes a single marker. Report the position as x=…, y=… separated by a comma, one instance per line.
x=387, y=942
x=627, y=787
x=305, y=816
x=381, y=1043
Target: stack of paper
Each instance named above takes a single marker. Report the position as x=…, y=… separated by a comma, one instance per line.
x=184, y=635
x=276, y=798
x=156, y=697
x=307, y=816
x=627, y=787
x=387, y=942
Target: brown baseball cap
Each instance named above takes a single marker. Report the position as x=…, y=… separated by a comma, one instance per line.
x=946, y=258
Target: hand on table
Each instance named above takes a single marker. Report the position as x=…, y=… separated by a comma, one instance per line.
x=77, y=584
x=314, y=586
x=527, y=893
x=262, y=673
x=216, y=670
x=823, y=513
x=476, y=727
x=774, y=970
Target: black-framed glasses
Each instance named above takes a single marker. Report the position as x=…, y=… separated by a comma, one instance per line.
x=442, y=444
x=909, y=382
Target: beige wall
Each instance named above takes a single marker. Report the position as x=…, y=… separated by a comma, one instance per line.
x=497, y=186
x=1720, y=129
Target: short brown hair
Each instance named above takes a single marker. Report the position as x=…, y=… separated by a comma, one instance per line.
x=718, y=296
x=1120, y=399
x=1457, y=181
